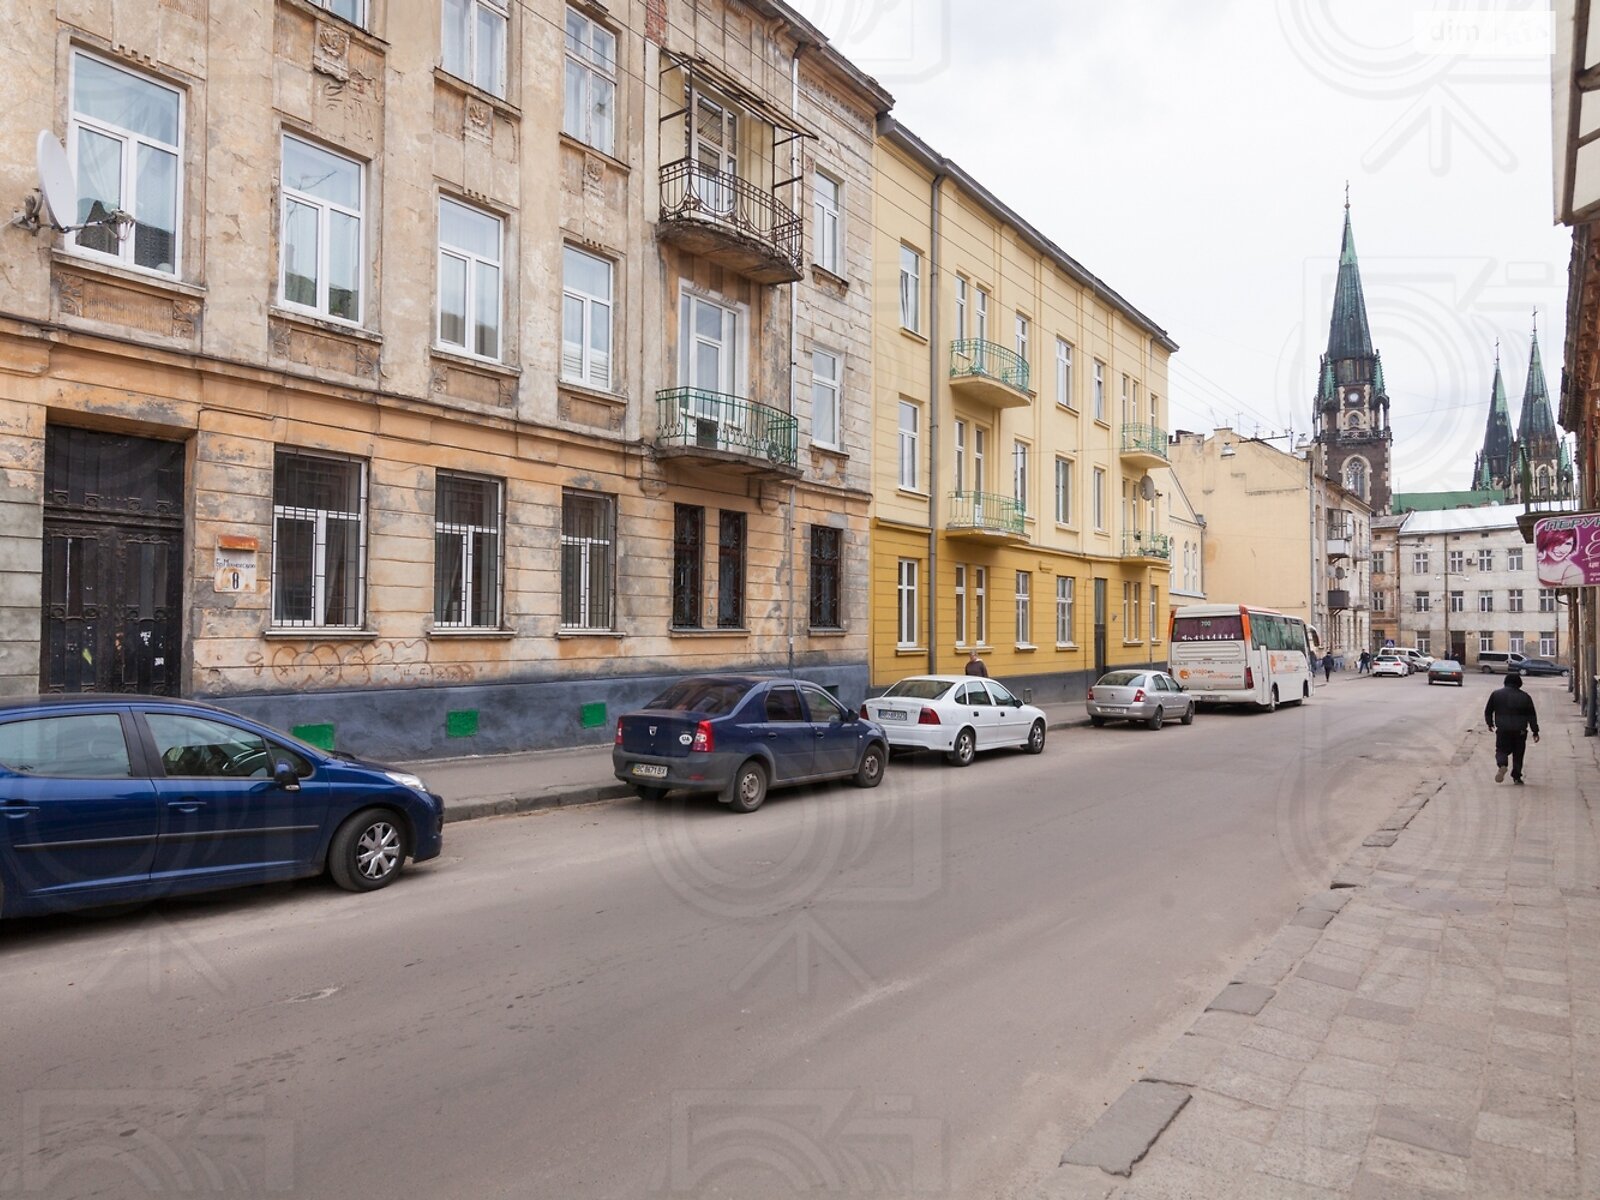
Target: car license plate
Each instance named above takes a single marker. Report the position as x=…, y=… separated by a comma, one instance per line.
x=649, y=771
x=890, y=714
x=1115, y=708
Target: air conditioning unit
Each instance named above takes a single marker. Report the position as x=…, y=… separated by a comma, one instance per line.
x=707, y=434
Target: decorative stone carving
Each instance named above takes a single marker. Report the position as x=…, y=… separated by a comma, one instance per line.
x=479, y=125
x=185, y=317
x=594, y=177
x=70, y=289
x=440, y=382
x=330, y=52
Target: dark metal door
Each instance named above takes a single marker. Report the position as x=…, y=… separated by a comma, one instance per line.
x=1099, y=628
x=113, y=564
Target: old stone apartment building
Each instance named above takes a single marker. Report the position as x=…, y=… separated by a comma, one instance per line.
x=466, y=369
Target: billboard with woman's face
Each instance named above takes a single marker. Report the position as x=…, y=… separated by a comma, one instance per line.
x=1567, y=550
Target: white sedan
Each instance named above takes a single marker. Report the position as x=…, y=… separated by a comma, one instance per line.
x=956, y=714
x=1391, y=664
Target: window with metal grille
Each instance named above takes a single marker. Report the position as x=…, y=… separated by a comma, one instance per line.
x=467, y=541
x=688, y=564
x=319, y=535
x=588, y=560
x=730, y=570
x=826, y=544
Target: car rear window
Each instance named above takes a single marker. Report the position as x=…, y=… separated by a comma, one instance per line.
x=1119, y=679
x=1208, y=629
x=919, y=689
x=81, y=746
x=714, y=697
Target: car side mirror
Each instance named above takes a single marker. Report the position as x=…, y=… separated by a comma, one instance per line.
x=285, y=776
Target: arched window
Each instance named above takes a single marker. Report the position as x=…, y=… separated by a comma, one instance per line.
x=1355, y=477
x=1542, y=481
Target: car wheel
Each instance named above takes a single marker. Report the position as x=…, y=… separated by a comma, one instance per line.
x=368, y=851
x=1272, y=699
x=650, y=794
x=1035, y=743
x=965, y=749
x=1097, y=722
x=1188, y=716
x=1155, y=721
x=870, y=773
x=749, y=788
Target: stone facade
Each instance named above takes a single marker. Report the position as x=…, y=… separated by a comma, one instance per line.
x=214, y=354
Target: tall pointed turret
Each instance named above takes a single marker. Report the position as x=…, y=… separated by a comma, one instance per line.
x=1494, y=465
x=1538, y=473
x=1348, y=333
x=1537, y=421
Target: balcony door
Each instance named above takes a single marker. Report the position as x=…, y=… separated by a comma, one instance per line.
x=708, y=368
x=714, y=150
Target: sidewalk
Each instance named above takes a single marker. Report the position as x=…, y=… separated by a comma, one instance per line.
x=495, y=785
x=1427, y=1027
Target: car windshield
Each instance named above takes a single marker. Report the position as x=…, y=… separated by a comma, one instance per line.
x=1119, y=679
x=714, y=697
x=919, y=689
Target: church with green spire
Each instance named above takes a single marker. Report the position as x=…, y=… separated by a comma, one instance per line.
x=1535, y=464
x=1352, y=406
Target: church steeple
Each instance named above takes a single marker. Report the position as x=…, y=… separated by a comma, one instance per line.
x=1537, y=421
x=1493, y=468
x=1539, y=470
x=1348, y=333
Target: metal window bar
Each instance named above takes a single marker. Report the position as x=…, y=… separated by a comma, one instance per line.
x=825, y=572
x=688, y=559
x=319, y=542
x=730, y=570
x=467, y=553
x=1144, y=544
x=587, y=562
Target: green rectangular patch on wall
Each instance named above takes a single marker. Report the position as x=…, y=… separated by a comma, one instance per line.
x=320, y=736
x=592, y=716
x=463, y=723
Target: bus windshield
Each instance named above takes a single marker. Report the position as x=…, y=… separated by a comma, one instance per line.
x=1229, y=628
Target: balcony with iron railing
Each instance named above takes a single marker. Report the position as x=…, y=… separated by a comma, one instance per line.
x=730, y=221
x=1138, y=543
x=718, y=429
x=1338, y=599
x=1144, y=446
x=989, y=373
x=986, y=517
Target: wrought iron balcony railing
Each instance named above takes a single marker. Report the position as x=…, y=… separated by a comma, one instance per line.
x=692, y=418
x=985, y=512
x=1148, y=440
x=973, y=358
x=692, y=191
x=1142, y=544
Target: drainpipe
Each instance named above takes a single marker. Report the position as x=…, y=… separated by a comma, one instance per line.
x=934, y=197
x=794, y=366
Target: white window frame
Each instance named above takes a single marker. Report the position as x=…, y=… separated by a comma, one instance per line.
x=588, y=126
x=465, y=533
x=959, y=454
x=1547, y=600
x=825, y=391
x=1065, y=468
x=1155, y=612
x=359, y=7
x=1099, y=391
x=1515, y=643
x=129, y=180
x=1456, y=562
x=1458, y=601
x=1485, y=602
x=1485, y=643
x=1422, y=602
x=961, y=604
x=1099, y=499
x=1019, y=475
x=961, y=308
x=587, y=547
x=325, y=208
x=1485, y=559
x=1130, y=411
x=1419, y=562
x=1424, y=644
x=473, y=263
x=909, y=441
x=1064, y=373
x=472, y=71
x=1514, y=600
x=906, y=591
x=828, y=246
x=319, y=566
x=981, y=307
x=1066, y=599
x=1024, y=608
x=1024, y=334
x=980, y=604
x=1514, y=559
x=910, y=289
x=1547, y=644
x=588, y=374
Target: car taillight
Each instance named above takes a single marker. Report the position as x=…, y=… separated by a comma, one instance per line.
x=1090, y=696
x=1249, y=678
x=865, y=716
x=1138, y=696
x=927, y=717
x=704, y=740
x=619, y=733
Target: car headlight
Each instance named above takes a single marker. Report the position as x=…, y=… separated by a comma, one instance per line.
x=406, y=779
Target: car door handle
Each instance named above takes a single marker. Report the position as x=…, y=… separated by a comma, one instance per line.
x=186, y=806
x=772, y=737
x=17, y=808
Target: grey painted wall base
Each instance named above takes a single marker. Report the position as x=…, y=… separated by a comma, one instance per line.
x=407, y=724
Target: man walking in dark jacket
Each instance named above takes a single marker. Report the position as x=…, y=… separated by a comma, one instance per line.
x=1511, y=715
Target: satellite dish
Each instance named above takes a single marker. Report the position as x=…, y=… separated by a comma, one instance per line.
x=56, y=185
x=1147, y=488
x=1338, y=572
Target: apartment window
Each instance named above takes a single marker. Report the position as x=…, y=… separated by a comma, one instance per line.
x=1380, y=601
x=1023, y=332
x=1019, y=475
x=351, y=10
x=908, y=444
x=474, y=42
x=1516, y=643
x=1066, y=587
x=1457, y=562
x=1380, y=559
x=1099, y=391
x=982, y=302
x=322, y=255
x=586, y=308
x=980, y=604
x=1130, y=611
x=1514, y=600
x=828, y=244
x=1485, y=643
x=469, y=280
x=1064, y=373
x=730, y=570
x=961, y=604
x=1422, y=602
x=1547, y=600
x=1155, y=410
x=825, y=577
x=1458, y=602
x=588, y=560
x=907, y=592
x=825, y=398
x=910, y=289
x=1099, y=499
x=1485, y=601
x=1024, y=608
x=960, y=453
x=978, y=440
x=1419, y=562
x=467, y=542
x=124, y=135
x=1485, y=560
x=1424, y=643
x=1514, y=559
x=1064, y=491
x=319, y=536
x=1155, y=613
x=1130, y=411
x=688, y=564
x=1547, y=645
x=961, y=309
x=590, y=114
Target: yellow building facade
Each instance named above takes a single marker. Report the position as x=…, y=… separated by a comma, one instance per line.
x=1020, y=416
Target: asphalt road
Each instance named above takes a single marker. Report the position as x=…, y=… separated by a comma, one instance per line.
x=923, y=990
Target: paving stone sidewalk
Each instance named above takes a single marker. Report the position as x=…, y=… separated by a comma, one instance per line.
x=1429, y=1028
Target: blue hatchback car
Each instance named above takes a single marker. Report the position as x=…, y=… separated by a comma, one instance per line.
x=110, y=799
x=739, y=735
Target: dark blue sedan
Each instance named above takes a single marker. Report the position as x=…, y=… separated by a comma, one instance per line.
x=110, y=799
x=739, y=735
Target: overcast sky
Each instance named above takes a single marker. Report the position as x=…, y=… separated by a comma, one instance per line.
x=1194, y=153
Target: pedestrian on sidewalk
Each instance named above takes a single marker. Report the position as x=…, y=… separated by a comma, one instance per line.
x=1327, y=667
x=975, y=665
x=1364, y=663
x=1510, y=713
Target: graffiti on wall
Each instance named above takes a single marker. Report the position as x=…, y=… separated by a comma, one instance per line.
x=387, y=662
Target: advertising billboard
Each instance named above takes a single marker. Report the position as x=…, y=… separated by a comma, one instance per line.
x=1567, y=550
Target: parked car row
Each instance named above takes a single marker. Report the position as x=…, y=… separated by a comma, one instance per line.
x=1401, y=661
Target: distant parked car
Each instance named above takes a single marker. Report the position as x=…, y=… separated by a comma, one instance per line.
x=1446, y=670
x=956, y=714
x=112, y=799
x=1540, y=666
x=1491, y=661
x=1148, y=696
x=1418, y=660
x=739, y=735
x=1391, y=664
